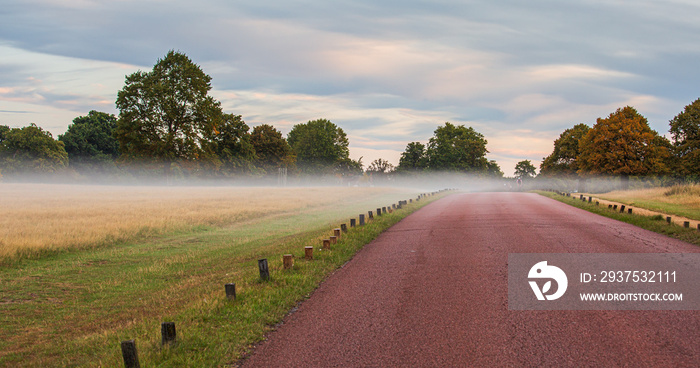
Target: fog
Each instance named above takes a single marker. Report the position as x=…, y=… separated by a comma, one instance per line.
x=421, y=182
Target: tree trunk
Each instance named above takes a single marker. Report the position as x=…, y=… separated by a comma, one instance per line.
x=167, y=170
x=624, y=182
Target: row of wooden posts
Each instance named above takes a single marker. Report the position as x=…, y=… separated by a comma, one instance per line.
x=622, y=207
x=168, y=334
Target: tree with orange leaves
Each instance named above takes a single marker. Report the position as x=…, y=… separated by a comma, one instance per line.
x=623, y=144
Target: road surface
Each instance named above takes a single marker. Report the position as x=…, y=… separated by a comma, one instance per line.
x=432, y=292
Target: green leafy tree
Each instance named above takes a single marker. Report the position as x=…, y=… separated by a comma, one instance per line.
x=493, y=170
x=525, y=169
x=348, y=167
x=321, y=147
x=563, y=160
x=30, y=150
x=166, y=115
x=457, y=148
x=380, y=166
x=90, y=141
x=413, y=158
x=4, y=129
x=622, y=144
x=271, y=149
x=234, y=152
x=685, y=132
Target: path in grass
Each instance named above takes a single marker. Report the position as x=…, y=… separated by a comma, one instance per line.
x=432, y=291
x=679, y=200
x=676, y=219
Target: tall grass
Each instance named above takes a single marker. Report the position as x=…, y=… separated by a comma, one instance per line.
x=686, y=191
x=681, y=200
x=36, y=219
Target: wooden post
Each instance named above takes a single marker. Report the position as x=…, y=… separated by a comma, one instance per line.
x=352, y=222
x=309, y=252
x=130, y=355
x=264, y=270
x=230, y=291
x=336, y=232
x=411, y=200
x=343, y=228
x=383, y=209
x=629, y=210
x=379, y=211
x=362, y=219
x=615, y=207
x=326, y=244
x=167, y=333
x=334, y=239
x=393, y=205
x=668, y=219
x=590, y=199
x=288, y=261
x=370, y=215
x=698, y=227
x=686, y=224
x=622, y=208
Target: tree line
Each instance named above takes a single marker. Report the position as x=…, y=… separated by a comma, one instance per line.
x=169, y=124
x=623, y=145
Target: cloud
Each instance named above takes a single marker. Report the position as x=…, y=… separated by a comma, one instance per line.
x=387, y=72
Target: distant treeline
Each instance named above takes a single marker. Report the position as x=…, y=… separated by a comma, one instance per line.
x=169, y=125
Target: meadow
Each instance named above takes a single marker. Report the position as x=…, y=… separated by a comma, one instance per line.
x=681, y=200
x=36, y=219
x=93, y=266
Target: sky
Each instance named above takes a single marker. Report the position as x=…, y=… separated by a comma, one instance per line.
x=386, y=72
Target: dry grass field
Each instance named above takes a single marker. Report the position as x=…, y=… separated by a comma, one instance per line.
x=179, y=246
x=681, y=200
x=36, y=218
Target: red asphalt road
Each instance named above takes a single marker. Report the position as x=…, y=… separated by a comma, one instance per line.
x=432, y=292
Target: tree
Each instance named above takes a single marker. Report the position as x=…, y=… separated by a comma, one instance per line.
x=321, y=147
x=232, y=145
x=380, y=166
x=493, y=170
x=413, y=158
x=90, y=141
x=4, y=129
x=685, y=132
x=525, y=169
x=563, y=160
x=166, y=115
x=271, y=149
x=348, y=167
x=622, y=144
x=30, y=150
x=457, y=148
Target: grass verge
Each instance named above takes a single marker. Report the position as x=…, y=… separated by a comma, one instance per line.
x=653, y=223
x=679, y=200
x=73, y=309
